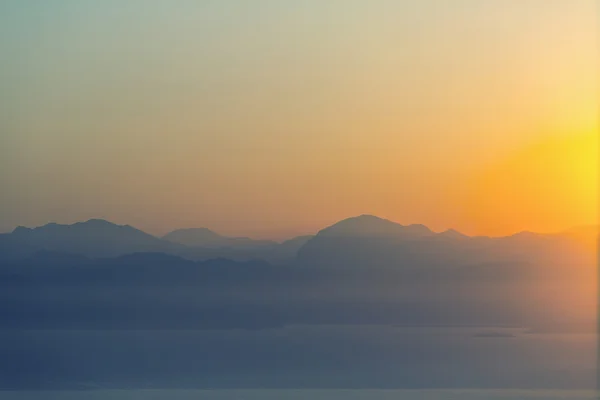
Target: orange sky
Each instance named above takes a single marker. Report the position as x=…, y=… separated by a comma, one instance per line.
x=544, y=187
x=279, y=118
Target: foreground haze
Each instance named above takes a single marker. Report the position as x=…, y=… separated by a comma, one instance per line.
x=363, y=303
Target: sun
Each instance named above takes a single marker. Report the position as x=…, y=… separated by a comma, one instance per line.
x=548, y=186
x=583, y=161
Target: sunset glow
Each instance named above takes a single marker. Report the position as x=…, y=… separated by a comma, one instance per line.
x=545, y=187
x=275, y=120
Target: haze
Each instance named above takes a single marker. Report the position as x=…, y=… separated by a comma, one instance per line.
x=275, y=118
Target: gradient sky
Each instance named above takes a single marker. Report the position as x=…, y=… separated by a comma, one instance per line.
x=272, y=118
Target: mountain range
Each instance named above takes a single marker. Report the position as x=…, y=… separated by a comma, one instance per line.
x=100, y=238
x=363, y=270
x=356, y=240
x=203, y=237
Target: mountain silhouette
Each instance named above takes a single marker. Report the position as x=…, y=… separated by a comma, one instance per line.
x=365, y=240
x=95, y=238
x=452, y=234
x=368, y=240
x=374, y=227
x=203, y=237
x=292, y=246
x=100, y=238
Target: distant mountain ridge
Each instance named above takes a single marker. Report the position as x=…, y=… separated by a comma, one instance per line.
x=204, y=237
x=372, y=226
x=95, y=237
x=361, y=240
x=101, y=238
x=377, y=242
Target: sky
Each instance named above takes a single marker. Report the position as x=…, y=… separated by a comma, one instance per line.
x=274, y=118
